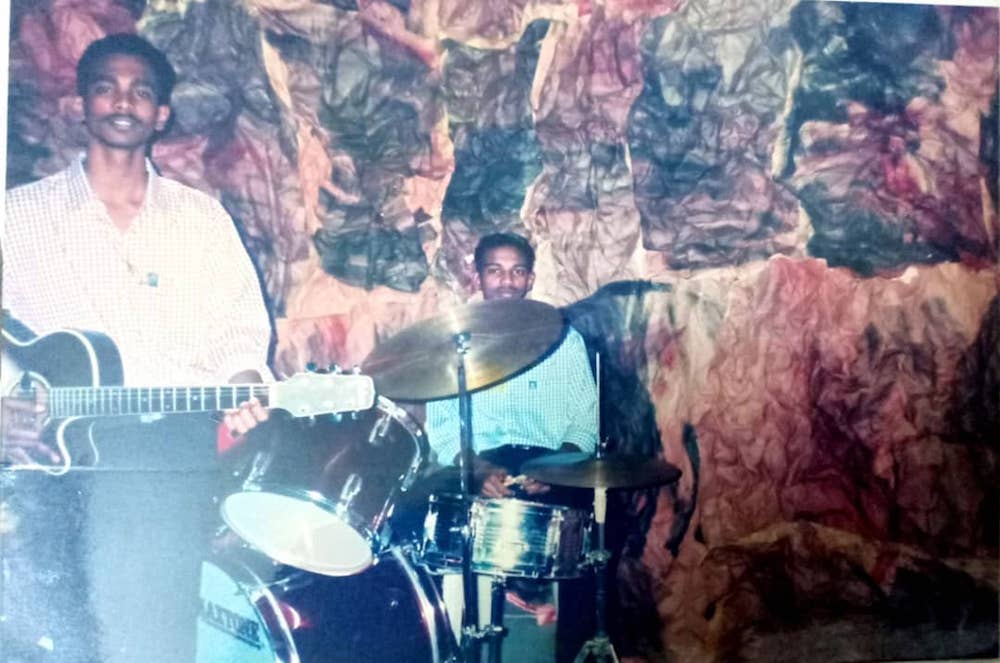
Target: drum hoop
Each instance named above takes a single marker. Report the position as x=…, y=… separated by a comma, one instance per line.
x=524, y=505
x=254, y=589
x=431, y=606
x=410, y=425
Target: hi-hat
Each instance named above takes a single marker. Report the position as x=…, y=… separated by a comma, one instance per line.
x=503, y=338
x=582, y=470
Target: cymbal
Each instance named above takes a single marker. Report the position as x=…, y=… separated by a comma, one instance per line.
x=504, y=337
x=582, y=470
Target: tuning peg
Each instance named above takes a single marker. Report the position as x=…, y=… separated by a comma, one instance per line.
x=356, y=370
x=311, y=366
x=354, y=416
x=335, y=369
x=337, y=417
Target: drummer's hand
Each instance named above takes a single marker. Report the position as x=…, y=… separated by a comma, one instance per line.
x=249, y=413
x=533, y=487
x=495, y=485
x=23, y=422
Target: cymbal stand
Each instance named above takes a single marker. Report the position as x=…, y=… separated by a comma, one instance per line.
x=495, y=632
x=471, y=636
x=599, y=648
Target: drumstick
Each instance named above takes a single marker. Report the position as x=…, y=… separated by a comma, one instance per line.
x=515, y=481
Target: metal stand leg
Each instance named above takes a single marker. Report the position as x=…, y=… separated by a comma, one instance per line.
x=599, y=648
x=496, y=630
x=471, y=635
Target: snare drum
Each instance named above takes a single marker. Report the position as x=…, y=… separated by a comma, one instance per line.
x=510, y=537
x=320, y=498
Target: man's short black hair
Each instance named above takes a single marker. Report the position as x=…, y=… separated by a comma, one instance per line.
x=496, y=240
x=89, y=66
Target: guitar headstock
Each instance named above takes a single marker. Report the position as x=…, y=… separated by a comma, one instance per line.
x=312, y=394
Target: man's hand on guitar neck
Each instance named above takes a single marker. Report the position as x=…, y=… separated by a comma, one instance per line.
x=250, y=413
x=23, y=420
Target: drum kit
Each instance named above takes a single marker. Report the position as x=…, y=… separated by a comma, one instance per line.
x=315, y=571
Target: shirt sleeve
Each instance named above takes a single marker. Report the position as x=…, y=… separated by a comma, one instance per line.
x=11, y=291
x=239, y=331
x=581, y=395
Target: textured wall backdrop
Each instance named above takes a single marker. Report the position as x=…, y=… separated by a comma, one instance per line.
x=776, y=220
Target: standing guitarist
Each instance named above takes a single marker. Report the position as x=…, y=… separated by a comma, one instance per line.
x=102, y=563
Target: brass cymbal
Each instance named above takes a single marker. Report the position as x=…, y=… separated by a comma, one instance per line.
x=504, y=337
x=582, y=470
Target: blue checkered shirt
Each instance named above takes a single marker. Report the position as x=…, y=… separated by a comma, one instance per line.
x=552, y=403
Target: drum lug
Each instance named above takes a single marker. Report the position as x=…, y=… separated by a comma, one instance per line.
x=259, y=467
x=351, y=488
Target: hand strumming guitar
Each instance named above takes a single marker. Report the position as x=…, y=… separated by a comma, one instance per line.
x=23, y=420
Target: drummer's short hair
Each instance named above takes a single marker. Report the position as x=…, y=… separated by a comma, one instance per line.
x=497, y=240
x=126, y=43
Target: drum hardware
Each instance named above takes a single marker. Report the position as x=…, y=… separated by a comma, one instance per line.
x=471, y=635
x=600, y=472
x=259, y=466
x=599, y=648
x=379, y=430
x=494, y=632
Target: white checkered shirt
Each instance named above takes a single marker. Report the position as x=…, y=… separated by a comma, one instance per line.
x=176, y=292
x=552, y=403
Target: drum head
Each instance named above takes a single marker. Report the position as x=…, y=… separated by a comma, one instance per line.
x=297, y=531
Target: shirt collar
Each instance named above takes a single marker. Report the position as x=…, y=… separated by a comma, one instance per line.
x=81, y=193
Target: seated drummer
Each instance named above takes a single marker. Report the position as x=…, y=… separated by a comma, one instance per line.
x=548, y=408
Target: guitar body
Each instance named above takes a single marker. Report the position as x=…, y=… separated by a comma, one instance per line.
x=65, y=358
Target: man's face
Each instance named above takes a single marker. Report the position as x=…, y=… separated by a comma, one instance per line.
x=120, y=106
x=505, y=274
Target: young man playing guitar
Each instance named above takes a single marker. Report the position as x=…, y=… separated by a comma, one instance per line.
x=103, y=564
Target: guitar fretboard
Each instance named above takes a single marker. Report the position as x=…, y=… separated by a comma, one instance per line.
x=97, y=401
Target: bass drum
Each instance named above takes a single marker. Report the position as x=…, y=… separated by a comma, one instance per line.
x=256, y=611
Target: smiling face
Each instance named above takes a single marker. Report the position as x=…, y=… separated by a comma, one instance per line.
x=120, y=107
x=505, y=274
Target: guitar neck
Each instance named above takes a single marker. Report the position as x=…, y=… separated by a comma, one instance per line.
x=66, y=402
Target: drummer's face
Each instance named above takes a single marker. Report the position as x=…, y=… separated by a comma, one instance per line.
x=505, y=274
